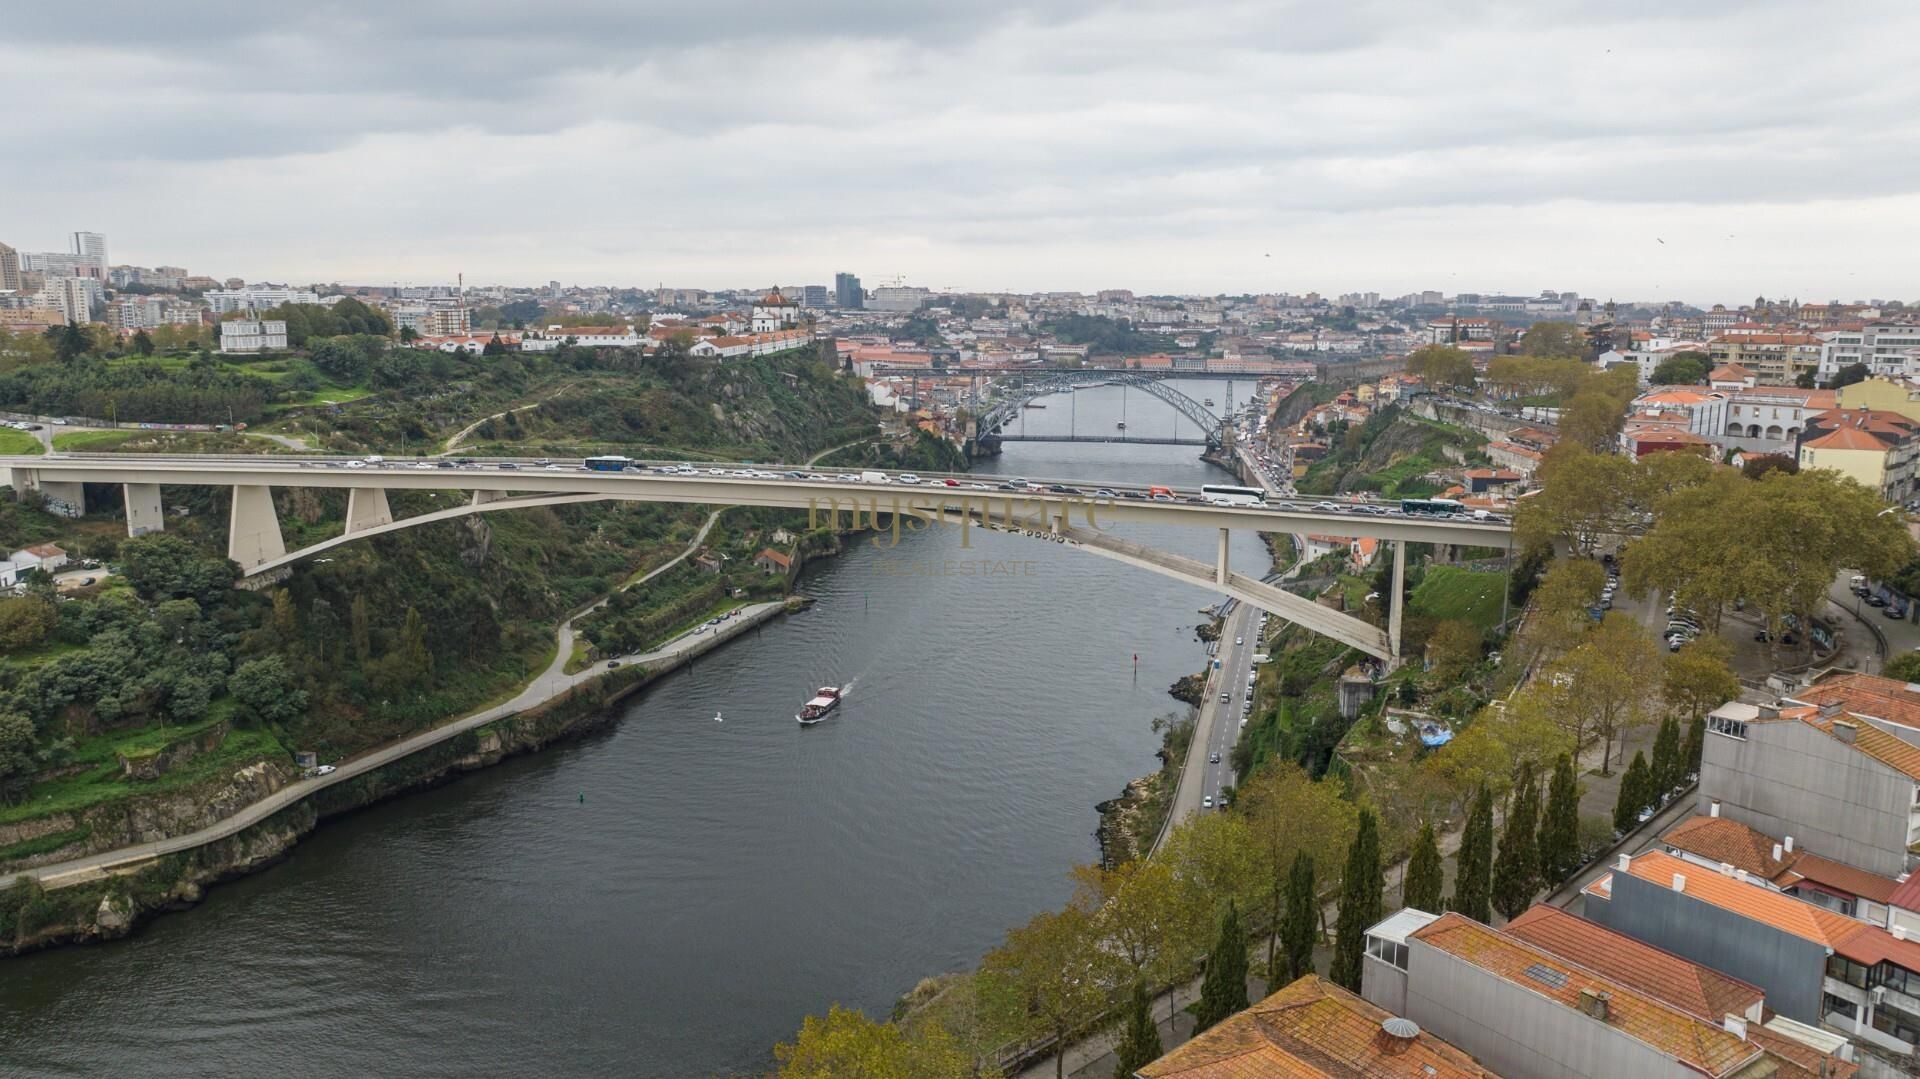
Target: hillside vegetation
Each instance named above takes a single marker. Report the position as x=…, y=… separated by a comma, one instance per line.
x=1392, y=453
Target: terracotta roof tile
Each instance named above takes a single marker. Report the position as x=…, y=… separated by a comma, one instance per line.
x=1312, y=1028
x=1704, y=1046
x=1719, y=839
x=1847, y=438
x=1686, y=985
x=1867, y=695
x=1798, y=1060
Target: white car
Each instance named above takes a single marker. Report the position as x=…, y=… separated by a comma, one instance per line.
x=1239, y=640
x=356, y=464
x=428, y=465
x=323, y=770
x=1207, y=801
x=907, y=477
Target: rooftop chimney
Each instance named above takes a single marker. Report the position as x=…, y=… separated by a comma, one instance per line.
x=1829, y=709
x=1899, y=932
x=1594, y=1003
x=1789, y=844
x=1679, y=882
x=1777, y=852
x=1736, y=1025
x=1625, y=863
x=1740, y=873
x=1845, y=731
x=1713, y=810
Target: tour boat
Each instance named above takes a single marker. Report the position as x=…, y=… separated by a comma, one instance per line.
x=825, y=700
x=1033, y=404
x=1121, y=425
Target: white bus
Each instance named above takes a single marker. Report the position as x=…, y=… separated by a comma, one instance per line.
x=1221, y=495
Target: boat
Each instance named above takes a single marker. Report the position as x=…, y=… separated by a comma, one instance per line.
x=1208, y=402
x=1033, y=404
x=825, y=699
x=1122, y=425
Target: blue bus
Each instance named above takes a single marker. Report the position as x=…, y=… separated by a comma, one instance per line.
x=607, y=464
x=1431, y=507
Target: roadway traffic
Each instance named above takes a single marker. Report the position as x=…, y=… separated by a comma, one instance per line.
x=527, y=469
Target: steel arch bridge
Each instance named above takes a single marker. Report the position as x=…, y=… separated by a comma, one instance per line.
x=988, y=429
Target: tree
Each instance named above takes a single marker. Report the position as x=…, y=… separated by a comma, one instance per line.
x=1490, y=750
x=265, y=687
x=1516, y=870
x=70, y=342
x=1442, y=366
x=359, y=630
x=1668, y=767
x=1569, y=588
x=1758, y=466
x=1473, y=862
x=1680, y=369
x=1593, y=419
x=1297, y=927
x=1696, y=743
x=1420, y=888
x=1635, y=793
x=1224, y=991
x=1557, y=340
x=1584, y=499
x=1559, y=840
x=25, y=621
x=1697, y=678
x=1361, y=902
x=160, y=565
x=1600, y=686
x=1139, y=1037
x=17, y=763
x=143, y=342
x=1047, y=978
x=1452, y=650
x=1289, y=814
x=1848, y=375
x=847, y=1043
x=1149, y=917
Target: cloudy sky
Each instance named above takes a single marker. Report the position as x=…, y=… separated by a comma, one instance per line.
x=1695, y=149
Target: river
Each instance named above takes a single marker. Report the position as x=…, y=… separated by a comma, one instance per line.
x=671, y=896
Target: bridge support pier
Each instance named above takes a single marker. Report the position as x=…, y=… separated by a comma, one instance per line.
x=366, y=508
x=481, y=498
x=1399, y=602
x=66, y=498
x=253, y=531
x=143, y=508
x=1220, y=562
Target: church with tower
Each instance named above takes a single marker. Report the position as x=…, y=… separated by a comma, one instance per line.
x=774, y=312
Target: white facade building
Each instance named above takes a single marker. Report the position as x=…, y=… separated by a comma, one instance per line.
x=252, y=335
x=257, y=298
x=1892, y=351
x=73, y=297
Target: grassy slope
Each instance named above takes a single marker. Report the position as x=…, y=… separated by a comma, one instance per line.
x=1449, y=592
x=18, y=443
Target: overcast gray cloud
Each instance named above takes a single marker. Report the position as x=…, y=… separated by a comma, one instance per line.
x=1203, y=146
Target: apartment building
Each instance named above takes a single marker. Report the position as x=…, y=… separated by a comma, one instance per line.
x=243, y=335
x=1315, y=1028
x=1888, y=349
x=257, y=298
x=1522, y=1011
x=432, y=319
x=1776, y=359
x=9, y=269
x=1879, y=449
x=1785, y=865
x=1815, y=966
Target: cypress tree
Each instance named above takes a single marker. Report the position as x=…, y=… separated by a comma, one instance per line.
x=1420, y=889
x=1297, y=927
x=1224, y=991
x=1139, y=1038
x=1668, y=765
x=1516, y=873
x=1696, y=743
x=1473, y=865
x=1560, y=828
x=1634, y=786
x=1360, y=903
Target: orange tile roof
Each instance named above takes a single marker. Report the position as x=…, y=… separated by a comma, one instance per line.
x=1686, y=985
x=1798, y=1060
x=1839, y=877
x=1859, y=941
x=1847, y=438
x=1702, y=1045
x=1720, y=839
x=1312, y=1028
x=1876, y=743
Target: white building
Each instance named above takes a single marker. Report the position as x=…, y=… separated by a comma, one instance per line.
x=774, y=312
x=73, y=297
x=897, y=298
x=91, y=245
x=432, y=319
x=43, y=556
x=252, y=335
x=257, y=298
x=1892, y=351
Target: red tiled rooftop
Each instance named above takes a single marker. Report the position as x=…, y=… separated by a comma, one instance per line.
x=1694, y=989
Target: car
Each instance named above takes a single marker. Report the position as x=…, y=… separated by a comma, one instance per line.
x=978, y=487
x=376, y=459
x=1207, y=802
x=1239, y=640
x=543, y=462
x=1010, y=487
x=356, y=464
x=509, y=465
x=716, y=471
x=612, y=663
x=1104, y=493
x=444, y=464
x=1326, y=507
x=1876, y=601
x=1135, y=495
x=1163, y=498
x=1226, y=698
x=907, y=477
x=85, y=581
x=950, y=483
x=1213, y=758
x=1063, y=489
x=793, y=475
x=59, y=423
x=1895, y=611
x=323, y=770
x=555, y=468
x=428, y=465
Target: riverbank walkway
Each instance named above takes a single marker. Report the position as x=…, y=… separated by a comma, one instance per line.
x=550, y=684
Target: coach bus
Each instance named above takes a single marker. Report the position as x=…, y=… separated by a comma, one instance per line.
x=1222, y=495
x=608, y=463
x=1431, y=507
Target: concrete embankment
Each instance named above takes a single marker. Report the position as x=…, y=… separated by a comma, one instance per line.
x=106, y=895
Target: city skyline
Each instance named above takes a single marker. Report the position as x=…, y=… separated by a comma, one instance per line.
x=1621, y=150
